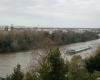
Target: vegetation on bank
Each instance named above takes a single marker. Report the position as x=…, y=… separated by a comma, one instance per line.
x=93, y=63
x=11, y=41
x=53, y=67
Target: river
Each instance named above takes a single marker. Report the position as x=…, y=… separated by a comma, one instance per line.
x=9, y=60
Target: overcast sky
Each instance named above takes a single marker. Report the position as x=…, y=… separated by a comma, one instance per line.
x=64, y=13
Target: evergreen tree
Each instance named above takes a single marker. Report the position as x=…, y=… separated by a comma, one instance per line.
x=53, y=66
x=17, y=75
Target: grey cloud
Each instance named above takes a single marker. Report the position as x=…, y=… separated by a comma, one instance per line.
x=50, y=12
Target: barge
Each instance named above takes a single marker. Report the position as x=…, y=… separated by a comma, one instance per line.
x=72, y=51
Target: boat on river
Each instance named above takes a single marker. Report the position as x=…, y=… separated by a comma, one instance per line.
x=74, y=51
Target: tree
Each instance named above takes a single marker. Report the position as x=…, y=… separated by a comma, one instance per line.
x=6, y=28
x=17, y=75
x=93, y=63
x=53, y=67
x=77, y=70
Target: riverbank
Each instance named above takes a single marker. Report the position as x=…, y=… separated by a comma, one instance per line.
x=16, y=41
x=45, y=48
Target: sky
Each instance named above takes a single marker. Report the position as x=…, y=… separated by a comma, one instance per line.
x=53, y=13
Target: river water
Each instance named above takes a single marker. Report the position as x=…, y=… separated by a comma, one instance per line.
x=25, y=59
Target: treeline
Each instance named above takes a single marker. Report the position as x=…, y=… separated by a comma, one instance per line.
x=23, y=40
x=53, y=67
